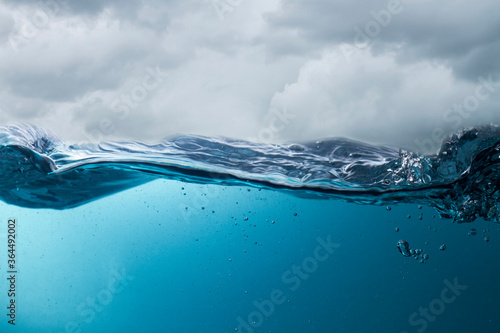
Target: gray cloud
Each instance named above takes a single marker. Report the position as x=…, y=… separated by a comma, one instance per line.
x=6, y=23
x=464, y=34
x=74, y=65
x=90, y=7
x=82, y=70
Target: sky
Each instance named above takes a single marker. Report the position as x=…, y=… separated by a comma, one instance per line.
x=399, y=72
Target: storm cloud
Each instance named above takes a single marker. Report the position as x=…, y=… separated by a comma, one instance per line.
x=399, y=72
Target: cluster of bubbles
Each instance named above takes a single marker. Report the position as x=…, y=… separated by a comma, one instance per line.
x=404, y=249
x=473, y=232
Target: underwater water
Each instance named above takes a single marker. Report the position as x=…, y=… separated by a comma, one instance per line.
x=196, y=234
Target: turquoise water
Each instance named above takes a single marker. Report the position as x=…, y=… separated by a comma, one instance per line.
x=123, y=246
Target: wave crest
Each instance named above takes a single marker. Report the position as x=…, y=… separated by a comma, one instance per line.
x=460, y=181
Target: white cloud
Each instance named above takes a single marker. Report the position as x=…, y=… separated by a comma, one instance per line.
x=372, y=98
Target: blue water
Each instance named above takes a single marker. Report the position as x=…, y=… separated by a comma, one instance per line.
x=212, y=235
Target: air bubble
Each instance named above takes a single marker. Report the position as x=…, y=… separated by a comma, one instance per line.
x=404, y=248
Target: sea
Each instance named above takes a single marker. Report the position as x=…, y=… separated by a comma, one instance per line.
x=210, y=234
